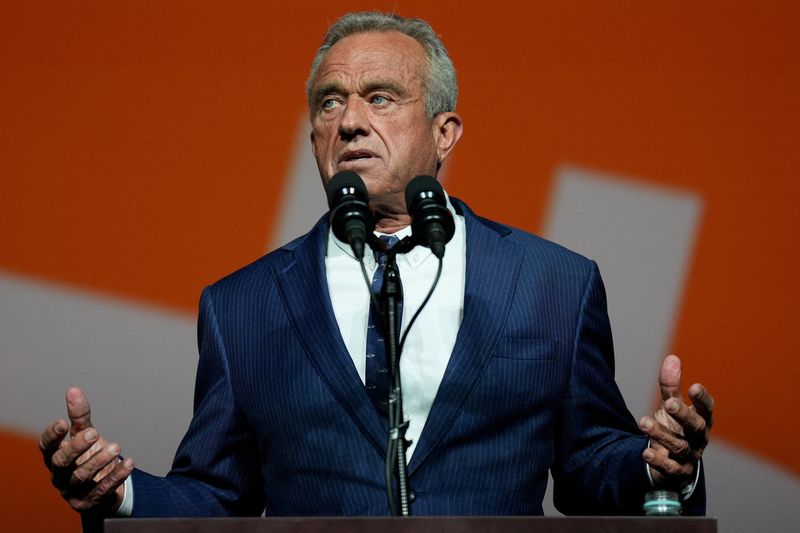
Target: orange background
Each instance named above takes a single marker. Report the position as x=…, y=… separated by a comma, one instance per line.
x=144, y=147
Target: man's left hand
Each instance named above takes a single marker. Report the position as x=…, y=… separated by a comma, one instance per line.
x=678, y=432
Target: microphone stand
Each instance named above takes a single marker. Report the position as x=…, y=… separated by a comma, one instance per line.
x=391, y=295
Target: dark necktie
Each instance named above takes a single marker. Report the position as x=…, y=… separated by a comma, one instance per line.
x=377, y=372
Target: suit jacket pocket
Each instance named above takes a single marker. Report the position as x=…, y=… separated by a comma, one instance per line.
x=522, y=375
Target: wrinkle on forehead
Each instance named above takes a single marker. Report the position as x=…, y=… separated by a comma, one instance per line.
x=379, y=59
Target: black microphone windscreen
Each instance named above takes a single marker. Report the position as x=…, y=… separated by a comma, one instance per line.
x=432, y=224
x=343, y=183
x=421, y=185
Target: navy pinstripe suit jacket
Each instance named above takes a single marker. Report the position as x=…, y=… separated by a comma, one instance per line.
x=282, y=421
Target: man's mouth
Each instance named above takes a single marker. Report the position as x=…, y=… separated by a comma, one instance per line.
x=356, y=156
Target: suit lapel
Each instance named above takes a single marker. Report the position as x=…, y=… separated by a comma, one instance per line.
x=304, y=290
x=492, y=270
x=491, y=273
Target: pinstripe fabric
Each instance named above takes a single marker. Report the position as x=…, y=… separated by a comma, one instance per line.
x=283, y=422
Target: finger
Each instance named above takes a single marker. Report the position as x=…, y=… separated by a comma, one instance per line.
x=669, y=378
x=78, y=410
x=110, y=483
x=105, y=458
x=675, y=444
x=98, y=445
x=668, y=467
x=69, y=451
x=703, y=402
x=103, y=472
x=51, y=438
x=692, y=424
x=689, y=419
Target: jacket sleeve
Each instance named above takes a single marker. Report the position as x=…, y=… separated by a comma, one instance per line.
x=216, y=471
x=599, y=468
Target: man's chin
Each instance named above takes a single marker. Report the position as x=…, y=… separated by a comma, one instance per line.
x=378, y=180
x=375, y=179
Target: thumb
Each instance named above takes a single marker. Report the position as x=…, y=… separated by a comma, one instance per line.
x=78, y=411
x=669, y=378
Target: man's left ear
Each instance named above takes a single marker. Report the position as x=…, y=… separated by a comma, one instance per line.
x=447, y=129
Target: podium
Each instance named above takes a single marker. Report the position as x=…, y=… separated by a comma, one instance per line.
x=507, y=524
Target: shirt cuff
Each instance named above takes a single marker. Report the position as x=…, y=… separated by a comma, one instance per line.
x=126, y=508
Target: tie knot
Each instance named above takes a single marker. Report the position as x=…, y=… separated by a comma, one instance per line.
x=388, y=242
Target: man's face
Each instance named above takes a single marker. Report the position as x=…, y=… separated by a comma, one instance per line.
x=368, y=113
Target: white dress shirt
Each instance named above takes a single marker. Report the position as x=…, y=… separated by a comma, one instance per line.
x=431, y=339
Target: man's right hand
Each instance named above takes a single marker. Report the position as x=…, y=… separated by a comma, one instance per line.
x=85, y=468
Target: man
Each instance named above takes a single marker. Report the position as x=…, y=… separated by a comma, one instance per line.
x=509, y=375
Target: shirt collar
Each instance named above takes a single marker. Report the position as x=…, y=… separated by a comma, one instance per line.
x=413, y=259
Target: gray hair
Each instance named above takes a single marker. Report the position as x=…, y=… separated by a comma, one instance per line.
x=439, y=80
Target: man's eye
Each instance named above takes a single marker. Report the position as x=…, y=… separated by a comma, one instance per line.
x=328, y=103
x=380, y=99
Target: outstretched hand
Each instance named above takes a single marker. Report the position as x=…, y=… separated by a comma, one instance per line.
x=86, y=469
x=678, y=432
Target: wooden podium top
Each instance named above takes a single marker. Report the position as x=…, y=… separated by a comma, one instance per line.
x=415, y=524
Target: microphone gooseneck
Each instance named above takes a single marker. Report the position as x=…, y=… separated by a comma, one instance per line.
x=431, y=222
x=351, y=219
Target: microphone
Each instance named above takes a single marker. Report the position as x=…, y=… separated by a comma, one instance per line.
x=431, y=222
x=351, y=218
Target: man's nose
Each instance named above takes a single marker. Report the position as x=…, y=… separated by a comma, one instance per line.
x=355, y=119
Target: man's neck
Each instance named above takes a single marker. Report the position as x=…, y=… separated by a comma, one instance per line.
x=390, y=214
x=389, y=225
